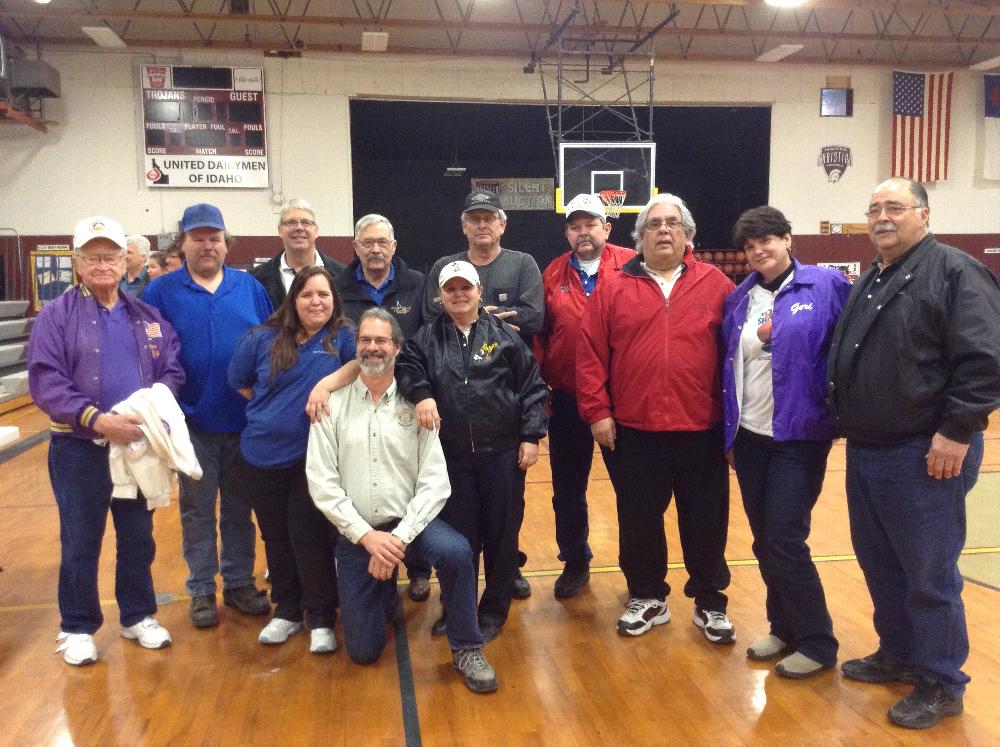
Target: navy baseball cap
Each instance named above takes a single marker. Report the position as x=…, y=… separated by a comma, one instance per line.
x=202, y=215
x=482, y=199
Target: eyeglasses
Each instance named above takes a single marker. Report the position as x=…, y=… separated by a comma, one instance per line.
x=372, y=243
x=292, y=223
x=672, y=223
x=893, y=211
x=380, y=341
x=93, y=260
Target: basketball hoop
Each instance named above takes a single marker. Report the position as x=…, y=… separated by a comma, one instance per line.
x=613, y=200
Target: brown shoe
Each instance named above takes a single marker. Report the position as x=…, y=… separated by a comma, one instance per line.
x=203, y=611
x=247, y=599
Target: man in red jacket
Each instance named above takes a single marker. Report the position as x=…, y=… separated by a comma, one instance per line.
x=648, y=384
x=568, y=282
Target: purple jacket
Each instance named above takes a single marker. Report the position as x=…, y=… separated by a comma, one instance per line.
x=64, y=360
x=805, y=313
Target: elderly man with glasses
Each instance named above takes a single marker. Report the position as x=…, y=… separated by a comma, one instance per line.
x=648, y=383
x=914, y=376
x=298, y=229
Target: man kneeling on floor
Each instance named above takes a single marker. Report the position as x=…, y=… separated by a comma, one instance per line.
x=382, y=480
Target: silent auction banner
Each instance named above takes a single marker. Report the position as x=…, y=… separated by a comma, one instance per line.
x=204, y=127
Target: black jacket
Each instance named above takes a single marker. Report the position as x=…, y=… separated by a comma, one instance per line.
x=924, y=355
x=403, y=299
x=269, y=275
x=491, y=405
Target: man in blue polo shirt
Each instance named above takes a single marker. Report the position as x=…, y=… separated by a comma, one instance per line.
x=210, y=307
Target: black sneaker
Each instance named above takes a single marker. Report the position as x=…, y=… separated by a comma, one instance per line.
x=440, y=626
x=715, y=625
x=247, y=599
x=521, y=589
x=573, y=578
x=642, y=614
x=490, y=632
x=929, y=702
x=878, y=667
x=419, y=589
x=203, y=611
x=479, y=675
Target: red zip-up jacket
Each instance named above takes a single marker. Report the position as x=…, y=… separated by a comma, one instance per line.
x=555, y=345
x=653, y=364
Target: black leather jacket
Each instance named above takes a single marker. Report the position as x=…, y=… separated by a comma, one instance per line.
x=492, y=404
x=269, y=275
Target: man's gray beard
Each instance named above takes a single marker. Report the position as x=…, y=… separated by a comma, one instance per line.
x=377, y=368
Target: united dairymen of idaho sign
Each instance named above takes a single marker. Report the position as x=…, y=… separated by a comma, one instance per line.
x=203, y=127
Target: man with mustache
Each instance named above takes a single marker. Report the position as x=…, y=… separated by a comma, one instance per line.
x=511, y=284
x=382, y=480
x=569, y=281
x=914, y=374
x=211, y=306
x=648, y=383
x=298, y=229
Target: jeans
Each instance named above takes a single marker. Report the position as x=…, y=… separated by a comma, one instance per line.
x=780, y=482
x=219, y=455
x=367, y=604
x=81, y=482
x=571, y=453
x=487, y=507
x=908, y=530
x=298, y=541
x=646, y=468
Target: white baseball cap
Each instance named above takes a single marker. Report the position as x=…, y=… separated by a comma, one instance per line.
x=458, y=270
x=98, y=227
x=589, y=204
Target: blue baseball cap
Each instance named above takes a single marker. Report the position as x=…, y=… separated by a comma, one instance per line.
x=202, y=215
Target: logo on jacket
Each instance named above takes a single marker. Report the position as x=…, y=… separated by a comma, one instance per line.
x=406, y=417
x=153, y=330
x=485, y=352
x=398, y=309
x=797, y=307
x=564, y=288
x=502, y=297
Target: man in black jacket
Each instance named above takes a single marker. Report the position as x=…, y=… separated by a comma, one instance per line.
x=298, y=230
x=377, y=277
x=914, y=376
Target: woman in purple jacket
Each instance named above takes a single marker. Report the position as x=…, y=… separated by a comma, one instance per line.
x=776, y=328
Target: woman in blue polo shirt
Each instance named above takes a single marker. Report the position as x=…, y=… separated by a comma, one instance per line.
x=275, y=366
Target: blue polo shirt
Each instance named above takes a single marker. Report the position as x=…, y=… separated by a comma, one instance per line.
x=375, y=294
x=277, y=429
x=209, y=326
x=120, y=374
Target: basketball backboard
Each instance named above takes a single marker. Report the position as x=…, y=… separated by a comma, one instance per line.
x=594, y=167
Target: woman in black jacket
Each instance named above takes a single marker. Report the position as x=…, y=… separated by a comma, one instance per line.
x=471, y=375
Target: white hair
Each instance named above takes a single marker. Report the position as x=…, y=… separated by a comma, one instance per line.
x=140, y=242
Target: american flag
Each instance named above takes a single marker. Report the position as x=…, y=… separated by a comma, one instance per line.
x=921, y=122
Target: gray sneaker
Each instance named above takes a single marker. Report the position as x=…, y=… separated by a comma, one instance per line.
x=479, y=675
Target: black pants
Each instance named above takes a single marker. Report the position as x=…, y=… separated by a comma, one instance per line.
x=780, y=482
x=486, y=507
x=298, y=541
x=571, y=454
x=646, y=468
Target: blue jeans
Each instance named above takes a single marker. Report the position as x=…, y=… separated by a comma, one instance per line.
x=571, y=453
x=219, y=455
x=780, y=482
x=908, y=530
x=367, y=604
x=81, y=482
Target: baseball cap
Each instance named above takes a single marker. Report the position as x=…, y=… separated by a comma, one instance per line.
x=98, y=227
x=482, y=199
x=458, y=270
x=202, y=215
x=589, y=204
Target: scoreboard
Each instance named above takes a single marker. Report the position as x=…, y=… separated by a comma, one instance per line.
x=203, y=127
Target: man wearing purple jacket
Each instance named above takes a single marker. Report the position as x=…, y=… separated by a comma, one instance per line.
x=90, y=349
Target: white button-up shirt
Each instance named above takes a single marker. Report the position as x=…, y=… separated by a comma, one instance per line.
x=370, y=463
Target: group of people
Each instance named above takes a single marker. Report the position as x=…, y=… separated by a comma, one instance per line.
x=380, y=418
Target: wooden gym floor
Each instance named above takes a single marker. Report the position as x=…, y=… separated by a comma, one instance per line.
x=566, y=677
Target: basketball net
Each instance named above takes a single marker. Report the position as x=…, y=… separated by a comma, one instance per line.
x=613, y=200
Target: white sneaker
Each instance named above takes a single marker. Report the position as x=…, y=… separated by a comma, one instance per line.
x=149, y=633
x=715, y=625
x=642, y=614
x=322, y=641
x=77, y=649
x=278, y=630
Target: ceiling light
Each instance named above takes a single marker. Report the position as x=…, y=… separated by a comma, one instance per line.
x=103, y=36
x=374, y=41
x=785, y=3
x=43, y=2
x=986, y=64
x=779, y=53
